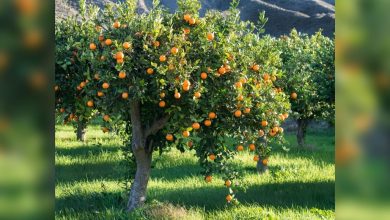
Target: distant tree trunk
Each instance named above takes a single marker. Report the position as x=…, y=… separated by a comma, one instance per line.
x=301, y=131
x=261, y=167
x=81, y=128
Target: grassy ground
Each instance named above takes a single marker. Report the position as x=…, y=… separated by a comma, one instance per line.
x=299, y=185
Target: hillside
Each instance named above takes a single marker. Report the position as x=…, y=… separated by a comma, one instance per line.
x=306, y=16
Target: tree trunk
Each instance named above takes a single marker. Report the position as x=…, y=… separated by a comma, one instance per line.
x=138, y=188
x=261, y=168
x=301, y=132
x=80, y=133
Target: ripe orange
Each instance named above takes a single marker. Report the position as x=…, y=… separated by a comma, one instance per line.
x=122, y=75
x=82, y=84
x=238, y=85
x=161, y=104
x=156, y=43
x=210, y=36
x=247, y=110
x=272, y=133
x=197, y=95
x=105, y=85
x=119, y=55
x=101, y=38
x=163, y=58
x=238, y=113
x=285, y=115
x=228, y=183
x=186, y=30
x=264, y=123
x=79, y=88
x=126, y=45
x=208, y=179
x=222, y=70
x=281, y=130
x=252, y=147
x=261, y=133
x=92, y=46
x=192, y=21
x=240, y=148
x=186, y=133
x=293, y=95
x=187, y=17
x=162, y=95
x=229, y=198
x=281, y=117
x=125, y=95
x=62, y=110
x=106, y=117
x=174, y=50
x=203, y=75
x=275, y=129
x=256, y=158
x=100, y=94
x=105, y=129
x=90, y=103
x=150, y=71
x=240, y=98
x=116, y=24
x=108, y=42
x=266, y=77
x=177, y=95
x=190, y=144
x=212, y=157
x=243, y=80
x=256, y=67
x=186, y=85
x=212, y=115
x=119, y=61
x=169, y=137
x=195, y=125
x=207, y=123
x=264, y=162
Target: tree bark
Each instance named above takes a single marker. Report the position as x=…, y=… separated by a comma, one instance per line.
x=80, y=133
x=261, y=168
x=301, y=131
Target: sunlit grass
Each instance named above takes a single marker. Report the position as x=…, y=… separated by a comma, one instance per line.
x=299, y=184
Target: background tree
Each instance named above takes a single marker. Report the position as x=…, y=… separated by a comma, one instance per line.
x=308, y=64
x=184, y=81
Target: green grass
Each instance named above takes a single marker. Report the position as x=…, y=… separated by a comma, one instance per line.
x=299, y=184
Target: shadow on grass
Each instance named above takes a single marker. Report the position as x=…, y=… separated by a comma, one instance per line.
x=285, y=195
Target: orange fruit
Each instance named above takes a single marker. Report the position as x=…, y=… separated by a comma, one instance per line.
x=122, y=75
x=125, y=95
x=92, y=46
x=240, y=98
x=82, y=84
x=169, y=137
x=186, y=85
x=238, y=85
x=222, y=70
x=208, y=179
x=228, y=183
x=161, y=104
x=212, y=115
x=186, y=30
x=264, y=123
x=207, y=123
x=105, y=85
x=106, y=117
x=119, y=55
x=101, y=38
x=261, y=133
x=256, y=67
x=210, y=36
x=177, y=95
x=237, y=113
x=119, y=61
x=229, y=198
x=256, y=158
x=272, y=133
x=281, y=117
x=266, y=77
x=79, y=88
x=102, y=58
x=190, y=144
x=281, y=130
x=105, y=129
x=243, y=80
x=108, y=42
x=275, y=129
x=203, y=75
x=285, y=115
x=174, y=50
x=252, y=147
x=62, y=110
x=192, y=21
x=197, y=95
x=156, y=43
x=186, y=133
x=116, y=24
x=212, y=157
x=187, y=17
x=162, y=95
x=126, y=45
x=150, y=71
x=247, y=110
x=240, y=148
x=100, y=94
x=264, y=162
x=163, y=58
x=293, y=95
x=195, y=125
x=90, y=103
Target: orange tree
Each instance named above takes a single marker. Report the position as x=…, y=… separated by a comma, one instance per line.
x=71, y=71
x=308, y=64
x=180, y=80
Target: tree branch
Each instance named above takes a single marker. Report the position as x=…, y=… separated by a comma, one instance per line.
x=157, y=125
